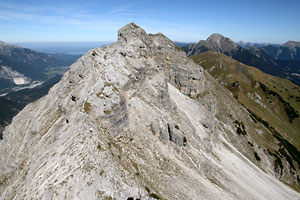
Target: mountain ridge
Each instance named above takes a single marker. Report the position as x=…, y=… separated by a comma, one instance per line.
x=287, y=51
x=137, y=120
x=255, y=44
x=291, y=44
x=264, y=58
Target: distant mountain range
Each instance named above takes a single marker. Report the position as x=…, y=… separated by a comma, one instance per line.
x=182, y=44
x=71, y=48
x=288, y=51
x=255, y=44
x=281, y=61
x=21, y=66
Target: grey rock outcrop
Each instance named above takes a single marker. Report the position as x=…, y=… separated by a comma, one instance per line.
x=223, y=44
x=135, y=130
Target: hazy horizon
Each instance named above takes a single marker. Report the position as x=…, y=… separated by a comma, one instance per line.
x=107, y=42
x=179, y=41
x=74, y=48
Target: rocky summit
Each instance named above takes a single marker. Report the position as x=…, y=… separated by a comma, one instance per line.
x=138, y=120
x=214, y=42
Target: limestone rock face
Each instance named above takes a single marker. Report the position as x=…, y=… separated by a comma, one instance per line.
x=214, y=42
x=223, y=44
x=136, y=119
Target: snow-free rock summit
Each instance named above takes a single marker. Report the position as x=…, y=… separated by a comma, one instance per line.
x=137, y=120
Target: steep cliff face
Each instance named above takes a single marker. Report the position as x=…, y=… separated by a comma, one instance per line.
x=137, y=119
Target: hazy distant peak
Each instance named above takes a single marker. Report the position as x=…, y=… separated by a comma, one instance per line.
x=220, y=43
x=3, y=43
x=215, y=37
x=291, y=44
x=5, y=49
x=255, y=44
x=243, y=43
x=6, y=45
x=214, y=42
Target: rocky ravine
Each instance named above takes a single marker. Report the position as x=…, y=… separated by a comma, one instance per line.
x=136, y=119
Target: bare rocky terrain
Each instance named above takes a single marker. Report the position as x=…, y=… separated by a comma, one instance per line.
x=138, y=120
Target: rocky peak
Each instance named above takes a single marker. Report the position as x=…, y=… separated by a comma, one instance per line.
x=133, y=35
x=220, y=43
x=6, y=45
x=214, y=42
x=131, y=31
x=291, y=44
x=215, y=37
x=3, y=43
x=5, y=49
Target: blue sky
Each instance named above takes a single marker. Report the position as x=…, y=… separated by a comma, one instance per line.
x=274, y=21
